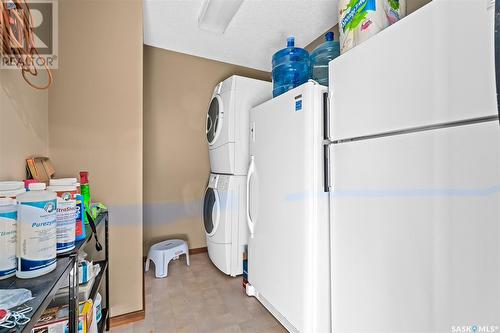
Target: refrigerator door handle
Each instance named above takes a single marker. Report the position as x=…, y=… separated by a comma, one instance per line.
x=326, y=168
x=251, y=171
x=497, y=52
x=326, y=117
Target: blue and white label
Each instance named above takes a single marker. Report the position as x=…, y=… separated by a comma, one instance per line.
x=32, y=265
x=37, y=235
x=66, y=223
x=8, y=225
x=298, y=105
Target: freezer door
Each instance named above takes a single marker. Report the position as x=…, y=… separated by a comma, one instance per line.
x=497, y=49
x=429, y=68
x=416, y=232
x=288, y=215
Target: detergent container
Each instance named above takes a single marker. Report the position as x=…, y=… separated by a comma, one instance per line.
x=10, y=189
x=8, y=225
x=360, y=20
x=290, y=68
x=66, y=190
x=321, y=56
x=80, y=232
x=36, y=232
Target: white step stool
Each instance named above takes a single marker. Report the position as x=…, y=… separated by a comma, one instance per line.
x=162, y=253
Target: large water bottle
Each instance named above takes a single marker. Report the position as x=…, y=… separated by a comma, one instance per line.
x=290, y=68
x=321, y=56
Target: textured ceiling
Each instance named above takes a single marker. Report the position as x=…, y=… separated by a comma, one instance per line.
x=258, y=29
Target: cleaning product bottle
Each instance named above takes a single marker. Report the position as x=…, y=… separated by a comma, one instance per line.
x=321, y=56
x=36, y=232
x=290, y=68
x=85, y=189
x=27, y=183
x=80, y=232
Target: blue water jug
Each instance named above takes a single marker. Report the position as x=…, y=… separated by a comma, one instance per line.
x=290, y=68
x=321, y=56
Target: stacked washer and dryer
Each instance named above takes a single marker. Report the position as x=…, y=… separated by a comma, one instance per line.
x=224, y=208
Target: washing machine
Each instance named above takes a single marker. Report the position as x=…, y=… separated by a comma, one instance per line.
x=225, y=223
x=227, y=125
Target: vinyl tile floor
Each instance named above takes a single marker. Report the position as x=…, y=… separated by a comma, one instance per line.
x=199, y=299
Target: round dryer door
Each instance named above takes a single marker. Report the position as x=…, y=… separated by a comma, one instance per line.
x=211, y=211
x=214, y=119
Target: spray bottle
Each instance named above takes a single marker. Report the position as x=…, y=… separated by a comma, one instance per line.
x=85, y=190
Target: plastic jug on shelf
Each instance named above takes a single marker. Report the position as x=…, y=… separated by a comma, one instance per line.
x=321, y=56
x=290, y=68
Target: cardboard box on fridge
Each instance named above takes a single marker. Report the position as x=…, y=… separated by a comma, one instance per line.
x=55, y=319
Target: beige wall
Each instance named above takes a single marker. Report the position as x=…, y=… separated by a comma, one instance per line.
x=413, y=5
x=177, y=91
x=95, y=123
x=318, y=41
x=24, y=130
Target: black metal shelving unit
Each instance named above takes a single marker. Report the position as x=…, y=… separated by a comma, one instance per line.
x=45, y=287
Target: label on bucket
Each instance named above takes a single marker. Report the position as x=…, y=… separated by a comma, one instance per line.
x=37, y=235
x=66, y=221
x=8, y=243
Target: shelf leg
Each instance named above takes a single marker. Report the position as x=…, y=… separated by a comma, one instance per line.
x=73, y=297
x=106, y=240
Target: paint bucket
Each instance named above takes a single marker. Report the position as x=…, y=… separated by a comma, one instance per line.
x=11, y=189
x=36, y=232
x=8, y=238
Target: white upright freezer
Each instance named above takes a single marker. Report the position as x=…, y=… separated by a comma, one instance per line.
x=415, y=201
x=288, y=212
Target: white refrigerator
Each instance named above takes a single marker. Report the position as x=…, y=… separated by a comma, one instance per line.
x=415, y=201
x=381, y=212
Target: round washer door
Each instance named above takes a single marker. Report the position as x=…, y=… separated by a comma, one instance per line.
x=211, y=211
x=214, y=119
